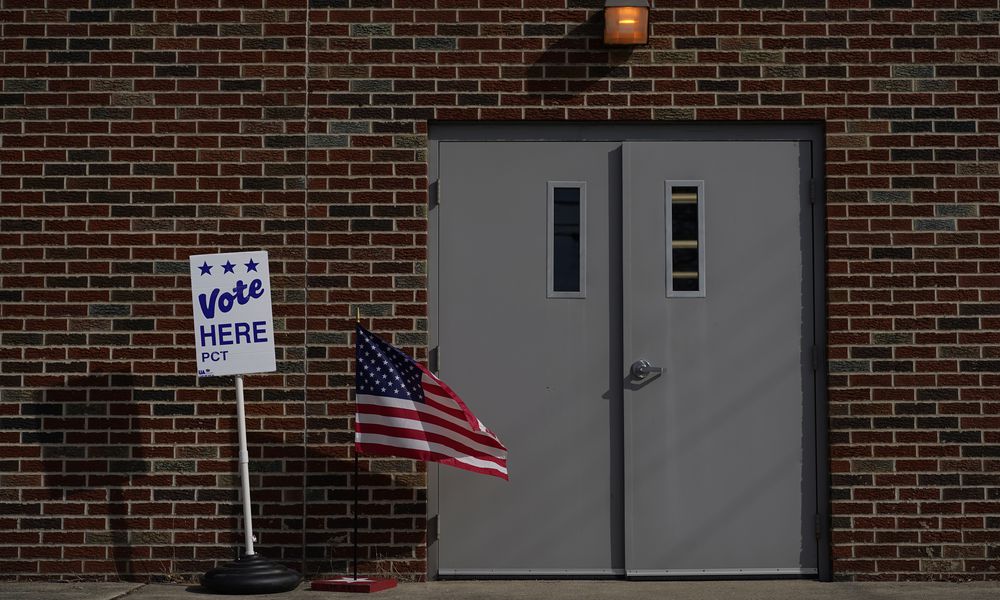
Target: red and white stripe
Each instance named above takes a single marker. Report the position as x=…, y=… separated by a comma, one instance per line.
x=441, y=429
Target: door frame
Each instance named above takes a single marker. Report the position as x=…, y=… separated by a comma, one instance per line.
x=804, y=132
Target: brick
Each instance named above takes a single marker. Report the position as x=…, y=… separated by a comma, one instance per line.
x=69, y=57
x=979, y=366
x=89, y=16
x=958, y=323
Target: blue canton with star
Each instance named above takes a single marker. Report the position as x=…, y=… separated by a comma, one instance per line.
x=384, y=370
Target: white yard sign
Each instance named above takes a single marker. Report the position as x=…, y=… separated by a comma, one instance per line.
x=233, y=329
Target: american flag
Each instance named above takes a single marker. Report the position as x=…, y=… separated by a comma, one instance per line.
x=404, y=410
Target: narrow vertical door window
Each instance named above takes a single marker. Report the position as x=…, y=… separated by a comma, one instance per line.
x=567, y=273
x=685, y=228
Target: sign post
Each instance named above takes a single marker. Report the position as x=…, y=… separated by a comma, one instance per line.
x=234, y=334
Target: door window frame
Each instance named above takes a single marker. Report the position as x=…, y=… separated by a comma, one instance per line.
x=551, y=236
x=668, y=210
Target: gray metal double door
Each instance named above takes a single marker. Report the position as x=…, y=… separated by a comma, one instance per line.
x=635, y=321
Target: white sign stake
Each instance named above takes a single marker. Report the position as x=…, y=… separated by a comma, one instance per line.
x=244, y=467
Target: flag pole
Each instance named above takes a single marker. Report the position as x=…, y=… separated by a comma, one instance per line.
x=353, y=584
x=355, y=513
x=357, y=315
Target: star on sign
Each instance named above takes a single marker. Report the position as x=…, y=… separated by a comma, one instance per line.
x=205, y=268
x=228, y=267
x=251, y=266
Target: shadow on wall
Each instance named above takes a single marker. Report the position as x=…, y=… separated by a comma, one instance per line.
x=140, y=483
x=110, y=478
x=121, y=480
x=575, y=63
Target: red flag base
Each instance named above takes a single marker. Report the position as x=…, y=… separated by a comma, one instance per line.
x=361, y=585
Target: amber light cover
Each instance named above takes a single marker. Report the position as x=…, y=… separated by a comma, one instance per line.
x=626, y=22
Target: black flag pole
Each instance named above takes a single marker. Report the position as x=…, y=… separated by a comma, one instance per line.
x=355, y=513
x=354, y=583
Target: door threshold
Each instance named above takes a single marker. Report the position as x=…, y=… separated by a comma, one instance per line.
x=451, y=574
x=694, y=574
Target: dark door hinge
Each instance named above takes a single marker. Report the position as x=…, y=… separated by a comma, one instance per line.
x=433, y=530
x=434, y=195
x=433, y=359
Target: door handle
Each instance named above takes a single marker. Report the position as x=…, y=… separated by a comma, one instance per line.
x=642, y=369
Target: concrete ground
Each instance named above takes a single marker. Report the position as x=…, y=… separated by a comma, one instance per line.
x=539, y=590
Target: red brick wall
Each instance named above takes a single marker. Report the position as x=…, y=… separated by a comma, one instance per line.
x=135, y=133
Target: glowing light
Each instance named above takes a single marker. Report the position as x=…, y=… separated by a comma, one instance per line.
x=625, y=22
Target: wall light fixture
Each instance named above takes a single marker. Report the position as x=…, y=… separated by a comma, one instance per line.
x=626, y=22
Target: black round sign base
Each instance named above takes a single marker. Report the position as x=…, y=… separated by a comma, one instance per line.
x=251, y=574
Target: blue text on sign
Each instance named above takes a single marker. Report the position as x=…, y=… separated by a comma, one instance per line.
x=228, y=334
x=224, y=301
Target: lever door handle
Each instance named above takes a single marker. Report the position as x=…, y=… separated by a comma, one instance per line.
x=642, y=369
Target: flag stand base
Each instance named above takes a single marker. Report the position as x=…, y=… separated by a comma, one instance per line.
x=360, y=585
x=251, y=574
